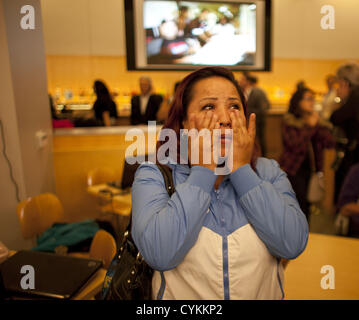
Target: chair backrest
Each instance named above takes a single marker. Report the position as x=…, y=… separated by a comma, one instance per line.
x=37, y=214
x=100, y=175
x=103, y=247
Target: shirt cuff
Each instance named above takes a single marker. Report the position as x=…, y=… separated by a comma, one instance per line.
x=244, y=179
x=202, y=177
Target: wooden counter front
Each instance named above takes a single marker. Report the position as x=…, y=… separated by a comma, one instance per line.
x=303, y=276
x=79, y=150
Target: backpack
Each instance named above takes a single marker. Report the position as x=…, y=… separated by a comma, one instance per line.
x=129, y=277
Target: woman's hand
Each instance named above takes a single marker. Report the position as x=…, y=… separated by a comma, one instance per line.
x=207, y=120
x=349, y=209
x=243, y=138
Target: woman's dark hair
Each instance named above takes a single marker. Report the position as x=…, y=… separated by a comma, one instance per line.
x=183, y=96
x=296, y=98
x=176, y=85
x=101, y=91
x=300, y=85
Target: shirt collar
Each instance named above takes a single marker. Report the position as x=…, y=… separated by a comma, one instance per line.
x=185, y=169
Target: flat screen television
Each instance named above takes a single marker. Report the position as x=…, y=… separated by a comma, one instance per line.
x=186, y=35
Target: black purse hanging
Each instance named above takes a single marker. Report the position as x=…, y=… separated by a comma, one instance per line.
x=129, y=277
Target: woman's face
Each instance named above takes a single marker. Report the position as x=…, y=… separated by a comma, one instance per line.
x=217, y=95
x=307, y=102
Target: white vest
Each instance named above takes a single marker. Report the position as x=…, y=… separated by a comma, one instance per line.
x=253, y=273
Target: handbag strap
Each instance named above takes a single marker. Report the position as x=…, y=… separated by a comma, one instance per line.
x=167, y=176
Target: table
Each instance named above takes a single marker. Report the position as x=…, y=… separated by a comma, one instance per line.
x=119, y=202
x=114, y=201
x=303, y=275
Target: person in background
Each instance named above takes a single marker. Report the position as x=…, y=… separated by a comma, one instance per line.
x=144, y=107
x=303, y=129
x=198, y=27
x=300, y=85
x=52, y=107
x=258, y=103
x=219, y=236
x=329, y=100
x=182, y=21
x=224, y=27
x=104, y=106
x=57, y=122
x=348, y=203
x=346, y=117
x=166, y=104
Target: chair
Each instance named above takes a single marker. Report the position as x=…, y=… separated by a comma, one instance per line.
x=37, y=214
x=100, y=175
x=103, y=247
x=104, y=204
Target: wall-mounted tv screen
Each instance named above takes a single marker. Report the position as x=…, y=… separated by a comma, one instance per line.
x=185, y=35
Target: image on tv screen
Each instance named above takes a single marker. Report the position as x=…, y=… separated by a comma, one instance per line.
x=200, y=33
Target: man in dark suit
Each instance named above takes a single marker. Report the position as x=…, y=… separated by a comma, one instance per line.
x=346, y=118
x=258, y=103
x=144, y=107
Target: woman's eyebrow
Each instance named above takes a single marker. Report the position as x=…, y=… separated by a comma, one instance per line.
x=209, y=98
x=215, y=98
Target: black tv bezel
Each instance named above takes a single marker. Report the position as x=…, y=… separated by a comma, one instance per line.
x=131, y=49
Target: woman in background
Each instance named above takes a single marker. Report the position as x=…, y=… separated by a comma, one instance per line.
x=104, y=107
x=303, y=130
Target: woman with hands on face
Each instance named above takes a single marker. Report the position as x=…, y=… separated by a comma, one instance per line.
x=219, y=236
x=241, y=138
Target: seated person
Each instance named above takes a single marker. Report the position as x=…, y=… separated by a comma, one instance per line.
x=144, y=107
x=57, y=122
x=348, y=203
x=104, y=107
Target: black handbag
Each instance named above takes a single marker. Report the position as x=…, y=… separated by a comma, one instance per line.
x=129, y=277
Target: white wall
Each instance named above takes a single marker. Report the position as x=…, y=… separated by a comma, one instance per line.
x=297, y=32
x=24, y=110
x=10, y=233
x=97, y=27
x=84, y=27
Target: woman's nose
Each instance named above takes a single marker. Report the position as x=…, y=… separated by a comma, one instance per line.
x=224, y=118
